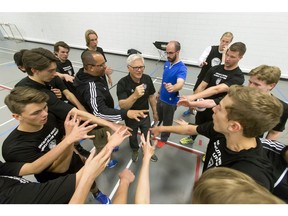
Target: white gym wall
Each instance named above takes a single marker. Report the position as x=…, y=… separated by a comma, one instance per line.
x=264, y=33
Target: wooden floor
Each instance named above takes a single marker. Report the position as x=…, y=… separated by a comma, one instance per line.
x=173, y=175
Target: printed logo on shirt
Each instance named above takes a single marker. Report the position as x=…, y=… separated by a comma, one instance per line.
x=218, y=81
x=52, y=144
x=219, y=77
x=21, y=180
x=215, y=61
x=216, y=159
x=50, y=140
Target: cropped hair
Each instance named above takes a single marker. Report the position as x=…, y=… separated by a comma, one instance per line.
x=38, y=58
x=61, y=44
x=223, y=185
x=266, y=73
x=256, y=111
x=87, y=33
x=238, y=47
x=177, y=45
x=88, y=58
x=134, y=57
x=21, y=96
x=228, y=34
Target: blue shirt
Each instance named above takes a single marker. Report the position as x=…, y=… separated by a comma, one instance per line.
x=170, y=75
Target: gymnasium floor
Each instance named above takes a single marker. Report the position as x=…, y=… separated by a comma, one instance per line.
x=173, y=176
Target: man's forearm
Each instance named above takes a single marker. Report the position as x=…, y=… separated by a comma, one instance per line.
x=128, y=102
x=44, y=161
x=180, y=129
x=83, y=186
x=62, y=163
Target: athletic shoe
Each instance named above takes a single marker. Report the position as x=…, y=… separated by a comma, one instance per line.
x=116, y=149
x=160, y=143
x=154, y=158
x=186, y=113
x=135, y=156
x=112, y=163
x=81, y=150
x=186, y=140
x=102, y=198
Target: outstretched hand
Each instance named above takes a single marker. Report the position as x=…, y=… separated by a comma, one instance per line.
x=155, y=130
x=136, y=114
x=115, y=126
x=183, y=101
x=126, y=175
x=148, y=149
x=169, y=87
x=139, y=91
x=95, y=165
x=76, y=132
x=181, y=122
x=117, y=137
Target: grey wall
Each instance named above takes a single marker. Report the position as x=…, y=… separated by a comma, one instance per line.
x=265, y=34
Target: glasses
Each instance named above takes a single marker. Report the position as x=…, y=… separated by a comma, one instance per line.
x=137, y=68
x=101, y=65
x=169, y=53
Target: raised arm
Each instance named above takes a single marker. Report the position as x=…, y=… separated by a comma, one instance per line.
x=85, y=177
x=93, y=167
x=213, y=90
x=178, y=129
x=142, y=195
x=126, y=178
x=77, y=133
x=96, y=120
x=66, y=77
x=176, y=87
x=129, y=101
x=72, y=98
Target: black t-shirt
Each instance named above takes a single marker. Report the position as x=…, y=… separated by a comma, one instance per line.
x=65, y=67
x=275, y=151
x=22, y=146
x=126, y=86
x=253, y=162
x=218, y=75
x=56, y=106
x=281, y=125
x=16, y=190
x=58, y=83
x=9, y=173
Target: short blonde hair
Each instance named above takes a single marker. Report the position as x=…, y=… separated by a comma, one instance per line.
x=266, y=73
x=256, y=111
x=223, y=185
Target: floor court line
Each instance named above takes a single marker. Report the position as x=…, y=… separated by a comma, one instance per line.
x=2, y=107
x=5, y=87
x=7, y=63
x=6, y=122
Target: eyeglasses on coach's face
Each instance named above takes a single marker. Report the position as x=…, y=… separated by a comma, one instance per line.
x=137, y=68
x=101, y=65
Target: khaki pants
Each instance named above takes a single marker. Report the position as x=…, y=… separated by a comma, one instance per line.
x=100, y=139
